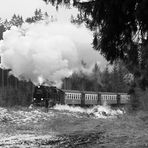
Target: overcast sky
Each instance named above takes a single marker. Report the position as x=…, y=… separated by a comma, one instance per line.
x=26, y=8
x=22, y=7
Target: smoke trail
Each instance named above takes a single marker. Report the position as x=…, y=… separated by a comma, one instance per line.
x=51, y=51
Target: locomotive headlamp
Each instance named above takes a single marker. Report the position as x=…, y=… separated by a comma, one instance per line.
x=42, y=99
x=34, y=98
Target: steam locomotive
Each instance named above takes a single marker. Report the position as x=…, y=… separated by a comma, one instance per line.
x=42, y=94
x=54, y=96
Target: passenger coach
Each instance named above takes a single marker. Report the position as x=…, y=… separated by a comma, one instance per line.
x=88, y=98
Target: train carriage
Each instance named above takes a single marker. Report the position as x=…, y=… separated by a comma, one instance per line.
x=124, y=98
x=108, y=98
x=72, y=98
x=91, y=98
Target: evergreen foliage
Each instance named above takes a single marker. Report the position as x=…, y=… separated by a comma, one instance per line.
x=16, y=20
x=38, y=16
x=97, y=80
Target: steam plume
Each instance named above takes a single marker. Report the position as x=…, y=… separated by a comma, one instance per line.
x=51, y=51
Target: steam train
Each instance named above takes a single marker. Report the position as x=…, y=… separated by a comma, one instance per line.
x=54, y=96
x=43, y=94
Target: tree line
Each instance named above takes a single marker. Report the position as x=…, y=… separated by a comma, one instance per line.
x=111, y=79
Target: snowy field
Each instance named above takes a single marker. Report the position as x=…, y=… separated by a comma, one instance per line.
x=67, y=126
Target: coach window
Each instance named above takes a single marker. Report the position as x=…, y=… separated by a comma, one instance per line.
x=72, y=96
x=78, y=96
x=69, y=96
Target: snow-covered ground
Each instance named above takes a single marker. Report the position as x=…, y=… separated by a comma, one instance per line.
x=68, y=126
x=96, y=111
x=24, y=116
x=38, y=114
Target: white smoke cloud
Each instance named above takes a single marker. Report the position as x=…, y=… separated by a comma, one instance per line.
x=51, y=51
